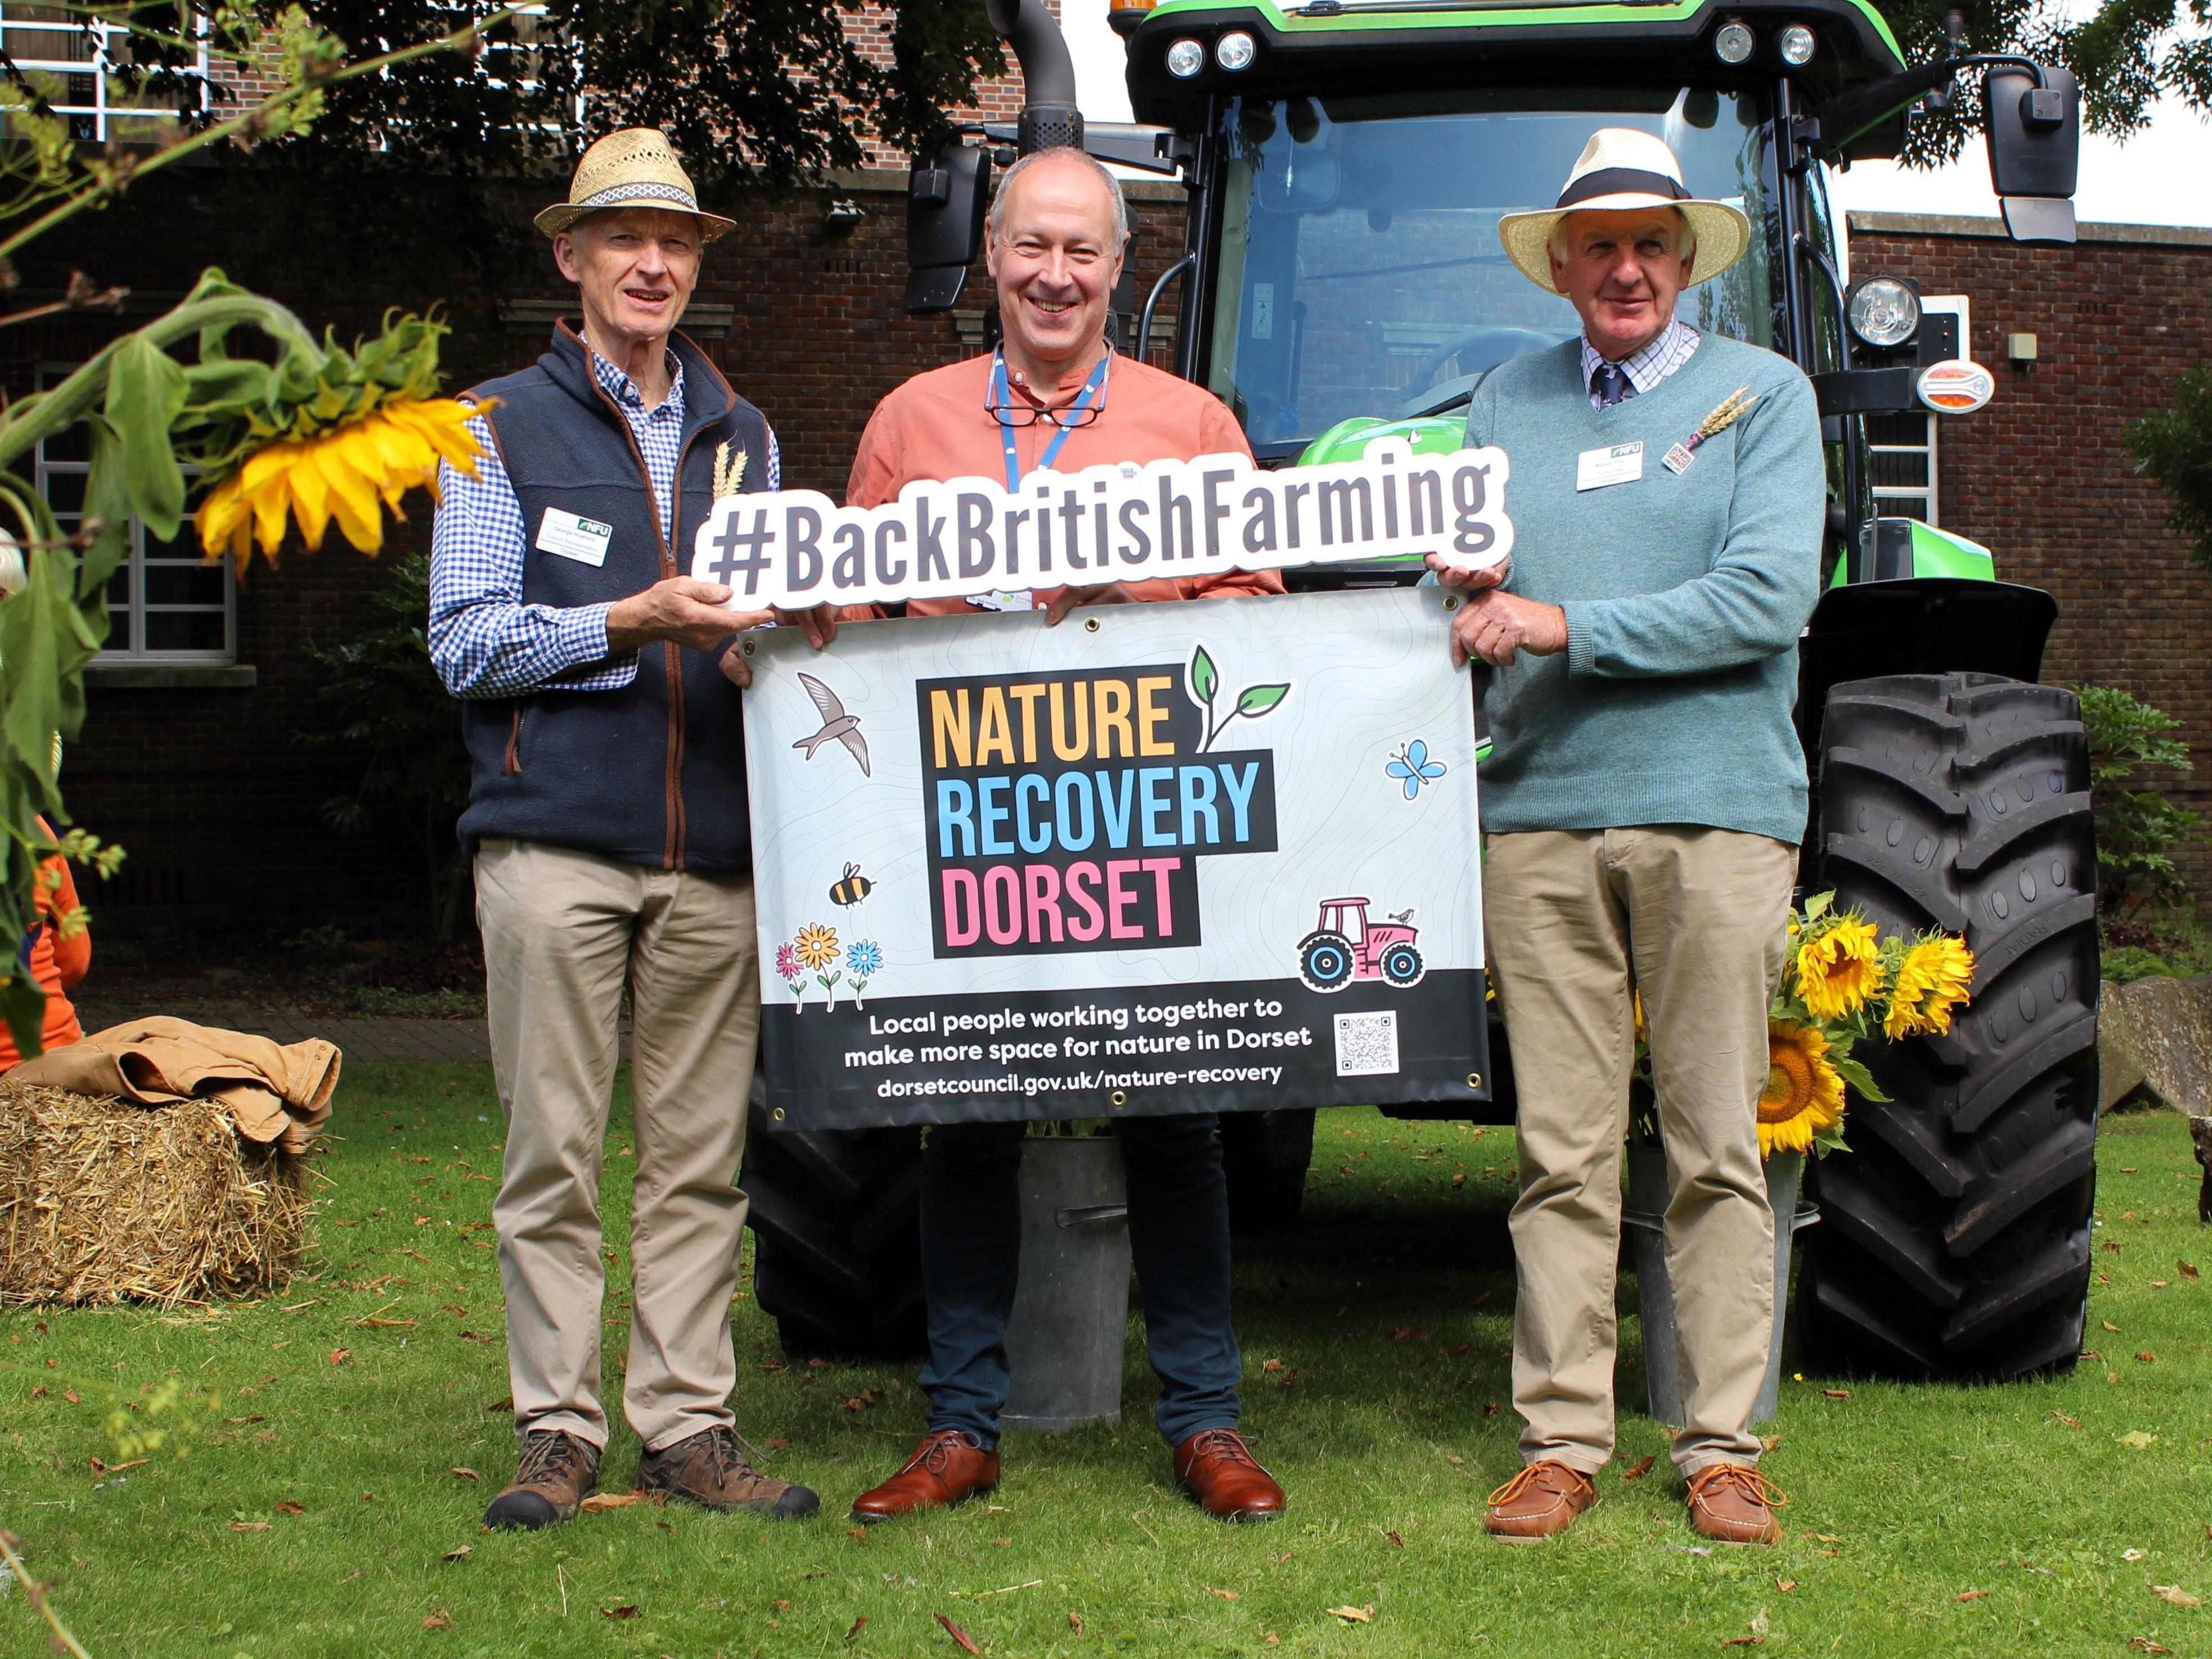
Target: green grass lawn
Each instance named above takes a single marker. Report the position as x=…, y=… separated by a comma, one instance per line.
x=322, y=1509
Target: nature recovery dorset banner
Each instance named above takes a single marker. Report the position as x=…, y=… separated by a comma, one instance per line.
x=1210, y=856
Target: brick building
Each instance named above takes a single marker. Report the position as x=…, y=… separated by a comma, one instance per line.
x=192, y=758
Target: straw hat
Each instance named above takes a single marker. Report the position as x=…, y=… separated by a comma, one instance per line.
x=1621, y=167
x=633, y=168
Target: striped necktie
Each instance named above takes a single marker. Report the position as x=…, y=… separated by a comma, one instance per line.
x=1610, y=383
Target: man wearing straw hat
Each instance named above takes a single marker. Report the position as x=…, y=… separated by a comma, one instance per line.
x=608, y=819
x=1644, y=799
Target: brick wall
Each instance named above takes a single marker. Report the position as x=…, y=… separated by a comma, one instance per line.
x=2041, y=475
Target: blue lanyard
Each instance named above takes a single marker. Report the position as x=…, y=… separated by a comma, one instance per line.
x=1002, y=411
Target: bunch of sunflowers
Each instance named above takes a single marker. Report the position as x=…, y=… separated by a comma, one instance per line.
x=1844, y=978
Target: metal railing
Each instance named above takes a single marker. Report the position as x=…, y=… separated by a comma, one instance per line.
x=83, y=54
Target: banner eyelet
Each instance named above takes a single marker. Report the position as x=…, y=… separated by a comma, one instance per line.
x=1451, y=602
x=1117, y=1098
x=1474, y=1079
x=752, y=646
x=777, y=1114
x=1090, y=624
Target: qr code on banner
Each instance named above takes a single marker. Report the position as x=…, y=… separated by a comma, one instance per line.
x=1367, y=1044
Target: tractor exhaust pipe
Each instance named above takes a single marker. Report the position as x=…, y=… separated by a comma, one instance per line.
x=1050, y=117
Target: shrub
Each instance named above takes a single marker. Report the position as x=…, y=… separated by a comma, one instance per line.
x=2137, y=829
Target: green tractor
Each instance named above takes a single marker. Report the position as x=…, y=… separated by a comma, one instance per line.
x=1346, y=163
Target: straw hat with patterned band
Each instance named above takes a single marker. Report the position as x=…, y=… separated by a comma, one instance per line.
x=1623, y=168
x=633, y=168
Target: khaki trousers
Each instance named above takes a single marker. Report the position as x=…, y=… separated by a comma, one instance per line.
x=1697, y=919
x=564, y=931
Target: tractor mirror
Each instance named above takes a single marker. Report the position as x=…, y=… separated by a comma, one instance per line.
x=944, y=203
x=2035, y=146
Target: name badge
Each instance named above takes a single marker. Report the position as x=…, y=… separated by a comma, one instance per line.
x=1596, y=468
x=572, y=536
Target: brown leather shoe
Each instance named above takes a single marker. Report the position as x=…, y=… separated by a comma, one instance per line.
x=1735, y=1504
x=557, y=1473
x=1540, y=1502
x=707, y=1468
x=946, y=1468
x=1218, y=1468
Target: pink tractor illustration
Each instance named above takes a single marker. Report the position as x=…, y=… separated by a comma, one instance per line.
x=1344, y=946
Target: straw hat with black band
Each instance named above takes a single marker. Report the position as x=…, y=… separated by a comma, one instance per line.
x=1622, y=169
x=636, y=167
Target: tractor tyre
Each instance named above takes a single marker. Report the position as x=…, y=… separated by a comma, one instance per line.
x=836, y=1221
x=1326, y=961
x=1264, y=1156
x=1401, y=966
x=1954, y=1235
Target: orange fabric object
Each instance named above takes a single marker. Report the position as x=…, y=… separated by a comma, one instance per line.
x=937, y=426
x=57, y=963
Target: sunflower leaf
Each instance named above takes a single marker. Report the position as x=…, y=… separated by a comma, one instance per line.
x=1855, y=1072
x=145, y=394
x=1817, y=906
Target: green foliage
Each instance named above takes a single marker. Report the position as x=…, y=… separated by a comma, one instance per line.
x=2137, y=827
x=384, y=705
x=2173, y=446
x=2172, y=944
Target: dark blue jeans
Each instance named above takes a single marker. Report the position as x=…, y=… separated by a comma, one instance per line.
x=971, y=1235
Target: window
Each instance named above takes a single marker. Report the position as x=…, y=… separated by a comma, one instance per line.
x=80, y=53
x=164, y=604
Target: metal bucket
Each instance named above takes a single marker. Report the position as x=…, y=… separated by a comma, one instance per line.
x=1071, y=1317
x=1645, y=1217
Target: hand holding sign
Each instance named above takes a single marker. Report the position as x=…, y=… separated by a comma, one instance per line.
x=794, y=549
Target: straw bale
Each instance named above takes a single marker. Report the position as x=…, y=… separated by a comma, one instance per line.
x=104, y=1201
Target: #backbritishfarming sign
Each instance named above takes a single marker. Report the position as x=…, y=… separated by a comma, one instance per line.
x=796, y=548
x=1216, y=855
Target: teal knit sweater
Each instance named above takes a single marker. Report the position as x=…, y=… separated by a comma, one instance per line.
x=1684, y=597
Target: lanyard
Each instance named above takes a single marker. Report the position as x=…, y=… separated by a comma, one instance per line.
x=1001, y=410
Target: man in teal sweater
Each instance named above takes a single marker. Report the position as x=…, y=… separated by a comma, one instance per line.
x=1643, y=801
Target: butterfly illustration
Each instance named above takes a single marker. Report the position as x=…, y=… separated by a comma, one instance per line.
x=1412, y=765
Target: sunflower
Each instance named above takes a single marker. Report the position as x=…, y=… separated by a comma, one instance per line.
x=1839, y=968
x=817, y=945
x=1931, y=981
x=336, y=473
x=1803, y=1093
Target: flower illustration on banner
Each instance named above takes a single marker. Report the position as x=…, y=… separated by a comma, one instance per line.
x=790, y=971
x=817, y=946
x=864, y=960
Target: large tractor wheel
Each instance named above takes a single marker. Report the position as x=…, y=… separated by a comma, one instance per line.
x=836, y=1221
x=1954, y=1240
x=1264, y=1156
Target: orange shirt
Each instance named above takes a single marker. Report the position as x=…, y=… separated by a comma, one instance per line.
x=57, y=963
x=939, y=426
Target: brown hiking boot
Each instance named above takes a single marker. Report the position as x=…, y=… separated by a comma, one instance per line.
x=1735, y=1504
x=1540, y=1502
x=708, y=1470
x=557, y=1473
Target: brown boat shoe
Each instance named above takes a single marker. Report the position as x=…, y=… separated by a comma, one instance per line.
x=946, y=1468
x=1218, y=1471
x=707, y=1468
x=558, y=1471
x=1735, y=1504
x=1540, y=1502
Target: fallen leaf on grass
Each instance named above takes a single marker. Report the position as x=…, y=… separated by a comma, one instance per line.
x=1003, y=1543
x=1971, y=1595
x=1638, y=1469
x=249, y=1525
x=1785, y=1585
x=245, y=1419
x=2070, y=1422
x=967, y=1642
x=72, y=1396
x=339, y=1356
x=2109, y=1326
x=2131, y=1555
x=2144, y=1645
x=1415, y=1333
x=1825, y=1537
x=863, y=1619
x=2174, y=1594
x=1456, y=1349
x=2146, y=1356
x=2137, y=1439
x=622, y=1500
x=439, y=1620
x=1767, y=1442
x=2188, y=1271
x=470, y=1336
x=288, y=1507
x=858, y=1534
x=1836, y=1394
x=1745, y=1642
x=625, y=1610
x=1354, y=1615
x=1454, y=1459
x=459, y=1553
x=1226, y=1595
x=466, y=1475
x=1397, y=1542
x=2158, y=1284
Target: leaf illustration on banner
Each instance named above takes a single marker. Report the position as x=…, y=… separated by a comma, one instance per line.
x=1255, y=701
x=1204, y=681
x=1252, y=702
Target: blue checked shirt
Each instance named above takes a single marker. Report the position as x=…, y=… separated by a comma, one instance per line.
x=484, y=640
x=1647, y=367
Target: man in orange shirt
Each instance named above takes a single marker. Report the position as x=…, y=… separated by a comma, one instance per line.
x=1055, y=394
x=56, y=961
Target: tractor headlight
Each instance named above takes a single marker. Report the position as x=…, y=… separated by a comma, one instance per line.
x=1234, y=51
x=1733, y=43
x=1185, y=59
x=1884, y=312
x=1796, y=45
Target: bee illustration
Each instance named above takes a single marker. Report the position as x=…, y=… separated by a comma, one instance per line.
x=851, y=888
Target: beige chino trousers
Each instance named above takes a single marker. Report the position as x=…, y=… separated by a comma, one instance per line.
x=564, y=931
x=1576, y=920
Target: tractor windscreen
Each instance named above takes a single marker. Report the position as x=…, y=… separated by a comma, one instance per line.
x=1359, y=266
